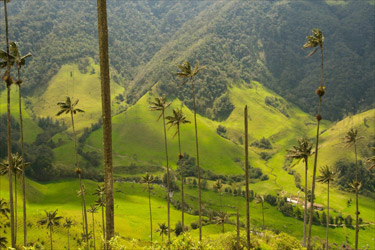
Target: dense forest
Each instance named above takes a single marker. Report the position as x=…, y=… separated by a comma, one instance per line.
x=240, y=41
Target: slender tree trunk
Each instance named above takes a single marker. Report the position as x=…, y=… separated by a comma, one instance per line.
x=149, y=205
x=247, y=180
x=15, y=207
x=223, y=226
x=50, y=236
x=103, y=222
x=182, y=179
x=356, y=198
x=327, y=217
x=168, y=180
x=23, y=160
x=198, y=166
x=68, y=240
x=12, y=229
x=305, y=209
x=238, y=229
x=93, y=229
x=80, y=181
x=106, y=115
x=316, y=155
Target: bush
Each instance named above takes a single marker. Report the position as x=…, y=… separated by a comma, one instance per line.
x=284, y=241
x=194, y=225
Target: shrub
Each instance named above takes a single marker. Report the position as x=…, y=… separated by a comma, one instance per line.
x=284, y=241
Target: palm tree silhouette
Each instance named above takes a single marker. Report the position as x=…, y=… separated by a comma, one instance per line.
x=3, y=242
x=371, y=160
x=221, y=218
x=51, y=220
x=316, y=39
x=188, y=73
x=93, y=209
x=148, y=180
x=351, y=139
x=68, y=224
x=327, y=175
x=259, y=199
x=177, y=120
x=163, y=229
x=69, y=107
x=302, y=152
x=160, y=104
x=100, y=202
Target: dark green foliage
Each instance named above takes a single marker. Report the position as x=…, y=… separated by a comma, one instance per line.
x=262, y=143
x=222, y=108
x=348, y=221
x=347, y=175
x=323, y=219
x=278, y=104
x=3, y=135
x=221, y=130
x=270, y=199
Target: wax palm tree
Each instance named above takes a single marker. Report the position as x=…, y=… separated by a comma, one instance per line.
x=68, y=224
x=221, y=218
x=316, y=39
x=100, y=202
x=161, y=104
x=69, y=107
x=218, y=186
x=327, y=175
x=259, y=199
x=302, y=152
x=93, y=210
x=148, y=180
x=163, y=229
x=188, y=74
x=351, y=139
x=4, y=210
x=106, y=115
x=177, y=120
x=20, y=61
x=51, y=220
x=247, y=177
x=9, y=81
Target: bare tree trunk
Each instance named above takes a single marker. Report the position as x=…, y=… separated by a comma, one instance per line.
x=305, y=209
x=106, y=115
x=23, y=160
x=356, y=198
x=12, y=229
x=198, y=166
x=182, y=179
x=316, y=154
x=168, y=179
x=247, y=180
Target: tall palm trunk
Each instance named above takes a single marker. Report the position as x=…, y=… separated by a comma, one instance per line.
x=50, y=236
x=223, y=226
x=305, y=209
x=198, y=167
x=149, y=205
x=182, y=179
x=103, y=221
x=238, y=229
x=68, y=239
x=356, y=198
x=247, y=180
x=168, y=180
x=15, y=208
x=23, y=159
x=316, y=153
x=263, y=215
x=80, y=181
x=93, y=229
x=9, y=141
x=327, y=217
x=106, y=116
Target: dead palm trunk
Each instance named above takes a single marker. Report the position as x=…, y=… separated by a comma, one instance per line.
x=168, y=176
x=80, y=180
x=23, y=159
x=9, y=141
x=198, y=167
x=305, y=209
x=247, y=180
x=182, y=178
x=106, y=115
x=318, y=118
